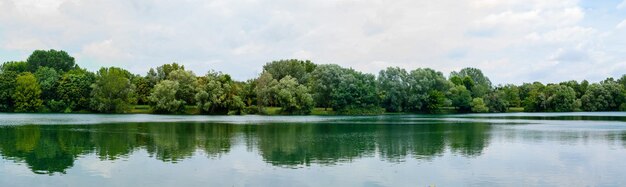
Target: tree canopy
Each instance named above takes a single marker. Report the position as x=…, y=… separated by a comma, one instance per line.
x=50, y=81
x=112, y=91
x=58, y=60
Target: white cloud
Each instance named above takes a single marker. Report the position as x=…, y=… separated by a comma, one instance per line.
x=239, y=36
x=621, y=25
x=622, y=5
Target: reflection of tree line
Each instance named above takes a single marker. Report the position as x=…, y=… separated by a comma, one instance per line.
x=50, y=149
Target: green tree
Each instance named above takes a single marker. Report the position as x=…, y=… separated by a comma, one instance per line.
x=324, y=79
x=460, y=98
x=14, y=66
x=143, y=88
x=536, y=99
x=113, y=92
x=187, y=84
x=596, y=98
x=478, y=106
x=580, y=88
x=264, y=90
x=480, y=84
x=74, y=89
x=435, y=101
x=163, y=71
x=393, y=85
x=560, y=98
x=604, y=96
x=48, y=79
x=219, y=94
x=249, y=96
x=617, y=93
x=496, y=101
x=292, y=97
x=58, y=60
x=27, y=93
x=298, y=69
x=163, y=98
x=355, y=92
x=511, y=94
x=422, y=82
x=7, y=88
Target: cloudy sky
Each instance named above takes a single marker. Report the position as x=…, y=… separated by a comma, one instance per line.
x=513, y=41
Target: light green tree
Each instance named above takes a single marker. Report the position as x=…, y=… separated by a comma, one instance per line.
x=218, y=94
x=478, y=106
x=163, y=98
x=187, y=84
x=292, y=97
x=27, y=95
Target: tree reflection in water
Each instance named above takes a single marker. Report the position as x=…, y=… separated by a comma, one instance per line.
x=49, y=149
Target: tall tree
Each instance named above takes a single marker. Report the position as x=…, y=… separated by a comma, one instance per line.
x=324, y=79
x=7, y=88
x=460, y=98
x=113, y=92
x=48, y=79
x=14, y=66
x=355, y=92
x=394, y=87
x=422, y=83
x=142, y=88
x=74, y=89
x=27, y=93
x=264, y=90
x=163, y=71
x=298, y=69
x=480, y=83
x=58, y=60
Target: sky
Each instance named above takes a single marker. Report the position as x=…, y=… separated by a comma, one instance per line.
x=512, y=41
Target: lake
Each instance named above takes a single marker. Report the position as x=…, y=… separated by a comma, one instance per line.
x=516, y=149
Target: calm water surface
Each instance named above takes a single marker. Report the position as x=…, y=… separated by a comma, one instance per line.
x=559, y=149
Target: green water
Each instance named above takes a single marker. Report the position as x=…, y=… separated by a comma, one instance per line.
x=563, y=149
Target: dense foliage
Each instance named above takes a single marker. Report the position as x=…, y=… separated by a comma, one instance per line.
x=50, y=81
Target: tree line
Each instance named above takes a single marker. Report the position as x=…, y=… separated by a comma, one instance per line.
x=51, y=81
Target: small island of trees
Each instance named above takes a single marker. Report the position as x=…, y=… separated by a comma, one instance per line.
x=51, y=81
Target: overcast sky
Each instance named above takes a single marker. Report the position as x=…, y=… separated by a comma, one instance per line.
x=512, y=41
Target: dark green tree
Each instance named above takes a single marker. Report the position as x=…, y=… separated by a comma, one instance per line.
x=58, y=60
x=422, y=83
x=324, y=79
x=74, y=89
x=14, y=66
x=460, y=98
x=393, y=85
